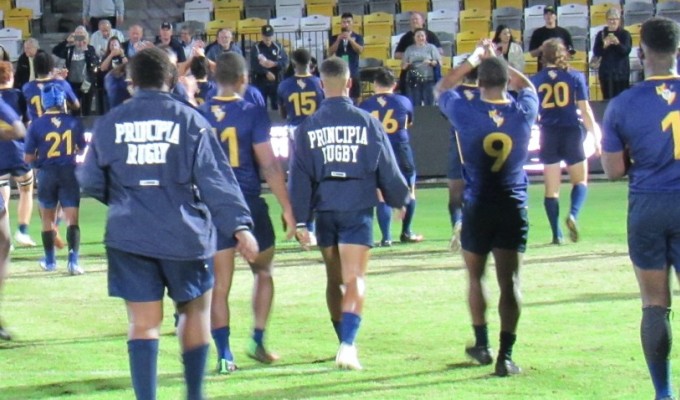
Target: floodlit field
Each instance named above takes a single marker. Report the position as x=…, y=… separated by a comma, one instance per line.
x=578, y=336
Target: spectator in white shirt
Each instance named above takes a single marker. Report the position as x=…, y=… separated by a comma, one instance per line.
x=100, y=39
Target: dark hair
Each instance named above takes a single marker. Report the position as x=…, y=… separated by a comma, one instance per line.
x=384, y=77
x=497, y=36
x=660, y=35
x=493, y=73
x=554, y=52
x=347, y=15
x=420, y=30
x=334, y=67
x=108, y=45
x=230, y=68
x=199, y=67
x=6, y=71
x=301, y=57
x=151, y=68
x=5, y=54
x=42, y=63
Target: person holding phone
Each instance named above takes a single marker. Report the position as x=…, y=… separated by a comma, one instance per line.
x=81, y=62
x=611, y=49
x=349, y=45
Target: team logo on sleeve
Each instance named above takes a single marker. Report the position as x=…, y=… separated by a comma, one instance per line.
x=301, y=83
x=382, y=101
x=665, y=93
x=552, y=74
x=218, y=113
x=469, y=94
x=496, y=117
x=56, y=121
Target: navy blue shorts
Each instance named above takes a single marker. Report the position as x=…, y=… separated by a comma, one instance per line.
x=404, y=155
x=562, y=143
x=141, y=279
x=455, y=168
x=344, y=227
x=494, y=225
x=18, y=170
x=654, y=230
x=58, y=184
x=262, y=226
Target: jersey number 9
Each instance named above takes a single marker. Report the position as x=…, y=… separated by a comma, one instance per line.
x=304, y=103
x=389, y=123
x=497, y=145
x=229, y=137
x=555, y=95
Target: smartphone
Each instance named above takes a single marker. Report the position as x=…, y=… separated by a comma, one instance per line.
x=79, y=38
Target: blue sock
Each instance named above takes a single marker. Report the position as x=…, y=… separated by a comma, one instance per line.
x=410, y=210
x=194, y=371
x=350, y=327
x=143, y=356
x=221, y=338
x=578, y=197
x=456, y=214
x=384, y=214
x=258, y=336
x=23, y=228
x=552, y=209
x=337, y=326
x=311, y=226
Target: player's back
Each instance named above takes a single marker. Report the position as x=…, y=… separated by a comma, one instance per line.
x=239, y=125
x=646, y=118
x=15, y=99
x=11, y=151
x=558, y=91
x=32, y=94
x=301, y=96
x=56, y=137
x=394, y=111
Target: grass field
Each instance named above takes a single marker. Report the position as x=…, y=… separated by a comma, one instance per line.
x=578, y=336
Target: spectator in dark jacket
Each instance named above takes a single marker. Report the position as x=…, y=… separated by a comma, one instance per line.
x=24, y=69
x=612, y=46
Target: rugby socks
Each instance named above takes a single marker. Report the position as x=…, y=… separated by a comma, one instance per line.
x=337, y=326
x=578, y=197
x=23, y=228
x=143, y=356
x=349, y=327
x=221, y=338
x=384, y=214
x=410, y=211
x=456, y=214
x=481, y=335
x=656, y=337
x=258, y=336
x=552, y=210
x=73, y=239
x=48, y=246
x=311, y=226
x=194, y=371
x=507, y=341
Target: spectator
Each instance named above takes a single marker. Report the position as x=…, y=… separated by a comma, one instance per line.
x=223, y=43
x=549, y=31
x=24, y=68
x=268, y=61
x=100, y=39
x=408, y=38
x=95, y=10
x=349, y=45
x=419, y=61
x=117, y=86
x=135, y=41
x=113, y=57
x=610, y=56
x=165, y=39
x=186, y=40
x=81, y=63
x=508, y=48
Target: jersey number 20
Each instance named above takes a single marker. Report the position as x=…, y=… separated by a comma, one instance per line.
x=497, y=145
x=555, y=95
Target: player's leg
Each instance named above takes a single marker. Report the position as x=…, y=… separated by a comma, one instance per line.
x=383, y=214
x=49, y=263
x=144, y=319
x=331, y=258
x=4, y=258
x=509, y=307
x=220, y=315
x=263, y=297
x=578, y=175
x=456, y=187
x=552, y=179
x=25, y=207
x=476, y=267
x=69, y=199
x=407, y=166
x=5, y=191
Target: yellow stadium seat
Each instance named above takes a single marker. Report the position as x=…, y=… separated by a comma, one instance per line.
x=357, y=26
x=375, y=51
x=579, y=61
x=467, y=41
x=19, y=18
x=582, y=2
x=394, y=65
x=598, y=13
x=6, y=5
x=518, y=4
x=479, y=4
x=380, y=24
x=228, y=9
x=421, y=6
x=475, y=19
x=212, y=27
x=447, y=61
x=634, y=31
x=530, y=64
x=320, y=7
x=250, y=26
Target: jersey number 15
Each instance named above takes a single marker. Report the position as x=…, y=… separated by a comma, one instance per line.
x=304, y=103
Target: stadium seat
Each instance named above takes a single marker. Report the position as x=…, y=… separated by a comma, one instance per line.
x=593, y=32
x=634, y=31
x=19, y=18
x=443, y=21
x=466, y=41
x=321, y=7
x=211, y=27
x=610, y=2
x=394, y=65
x=598, y=13
x=581, y=2
x=594, y=88
x=394, y=42
x=386, y=6
x=355, y=7
x=446, y=39
x=532, y=3
x=579, y=37
x=530, y=64
x=637, y=12
x=669, y=9
x=290, y=8
x=198, y=10
x=478, y=4
x=573, y=15
x=579, y=61
x=474, y=19
x=286, y=30
x=10, y=39
x=446, y=64
x=34, y=5
x=453, y=5
x=6, y=5
x=421, y=6
x=314, y=31
x=251, y=26
x=228, y=10
x=402, y=22
x=380, y=24
x=357, y=26
x=533, y=18
x=375, y=46
x=519, y=4
x=508, y=16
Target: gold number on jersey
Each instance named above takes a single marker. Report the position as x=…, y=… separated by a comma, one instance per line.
x=304, y=103
x=389, y=123
x=498, y=145
x=229, y=137
x=672, y=121
x=555, y=95
x=56, y=140
x=35, y=100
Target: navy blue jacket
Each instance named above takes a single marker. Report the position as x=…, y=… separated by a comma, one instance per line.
x=341, y=156
x=157, y=164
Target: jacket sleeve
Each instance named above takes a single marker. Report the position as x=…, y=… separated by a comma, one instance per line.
x=255, y=66
x=91, y=176
x=120, y=8
x=391, y=182
x=625, y=43
x=598, y=47
x=300, y=182
x=61, y=49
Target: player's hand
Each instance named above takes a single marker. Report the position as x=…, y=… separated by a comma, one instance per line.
x=302, y=236
x=288, y=223
x=270, y=76
x=246, y=244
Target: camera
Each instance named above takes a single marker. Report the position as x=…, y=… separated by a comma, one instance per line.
x=79, y=38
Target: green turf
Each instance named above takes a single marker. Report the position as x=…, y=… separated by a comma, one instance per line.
x=578, y=336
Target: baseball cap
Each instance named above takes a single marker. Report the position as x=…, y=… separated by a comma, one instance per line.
x=549, y=9
x=52, y=95
x=166, y=25
x=268, y=30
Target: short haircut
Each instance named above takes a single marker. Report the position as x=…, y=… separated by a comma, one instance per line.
x=230, y=68
x=384, y=77
x=42, y=63
x=6, y=71
x=199, y=67
x=334, y=67
x=301, y=57
x=493, y=73
x=151, y=68
x=660, y=35
x=347, y=15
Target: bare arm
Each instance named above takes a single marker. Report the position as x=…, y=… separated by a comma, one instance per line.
x=519, y=81
x=12, y=132
x=614, y=164
x=273, y=174
x=590, y=124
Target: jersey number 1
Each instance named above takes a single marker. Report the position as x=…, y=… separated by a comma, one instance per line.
x=229, y=137
x=672, y=121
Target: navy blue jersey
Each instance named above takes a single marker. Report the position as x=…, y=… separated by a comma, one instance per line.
x=239, y=125
x=11, y=151
x=254, y=96
x=394, y=111
x=15, y=99
x=116, y=88
x=341, y=156
x=206, y=90
x=494, y=141
x=55, y=138
x=558, y=92
x=157, y=164
x=301, y=96
x=32, y=94
x=646, y=120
